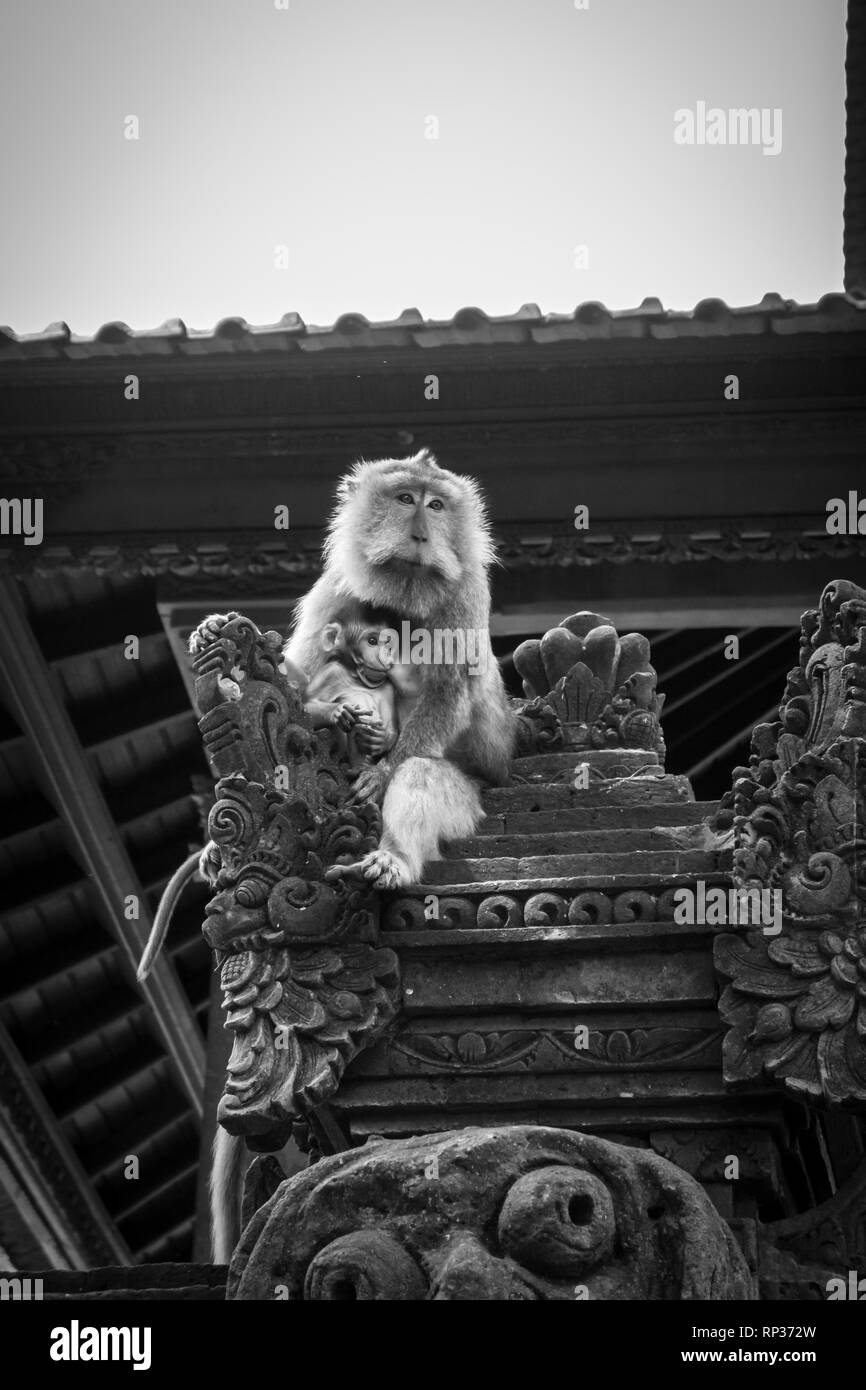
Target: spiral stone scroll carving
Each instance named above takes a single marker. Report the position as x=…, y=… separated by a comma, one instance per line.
x=306, y=984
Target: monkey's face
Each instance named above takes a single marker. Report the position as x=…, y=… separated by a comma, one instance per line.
x=374, y=651
x=408, y=536
x=416, y=532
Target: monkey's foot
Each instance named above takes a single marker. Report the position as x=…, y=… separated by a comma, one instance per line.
x=384, y=869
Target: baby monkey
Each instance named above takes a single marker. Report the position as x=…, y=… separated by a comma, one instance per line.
x=353, y=690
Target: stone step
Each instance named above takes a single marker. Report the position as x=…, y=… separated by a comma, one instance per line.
x=618, y=791
x=697, y=863
x=595, y=817
x=605, y=763
x=523, y=844
x=567, y=885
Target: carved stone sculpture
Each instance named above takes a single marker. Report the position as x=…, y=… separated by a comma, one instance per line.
x=306, y=984
x=795, y=1002
x=515, y=1213
x=588, y=688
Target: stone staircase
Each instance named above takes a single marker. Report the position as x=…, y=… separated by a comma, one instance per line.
x=545, y=980
x=646, y=827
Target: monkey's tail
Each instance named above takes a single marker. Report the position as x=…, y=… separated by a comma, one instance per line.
x=164, y=913
x=226, y=1185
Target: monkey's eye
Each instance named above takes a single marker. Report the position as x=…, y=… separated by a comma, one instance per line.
x=406, y=498
x=373, y=639
x=436, y=505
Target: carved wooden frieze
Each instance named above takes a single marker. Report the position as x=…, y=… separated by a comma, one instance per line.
x=260, y=568
x=795, y=1000
x=588, y=688
x=306, y=984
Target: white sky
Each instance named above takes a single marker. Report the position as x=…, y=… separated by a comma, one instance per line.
x=261, y=127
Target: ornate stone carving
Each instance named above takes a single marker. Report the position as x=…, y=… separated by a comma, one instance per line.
x=588, y=688
x=306, y=985
x=517, y=1213
x=796, y=1001
x=494, y=911
x=610, y=1049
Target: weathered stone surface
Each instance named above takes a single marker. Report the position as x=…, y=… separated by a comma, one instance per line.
x=707, y=1155
x=564, y=907
x=607, y=817
x=796, y=1003
x=554, y=920
x=528, y=1214
x=631, y=791
x=561, y=979
x=560, y=767
x=524, y=843
x=588, y=689
x=698, y=863
x=306, y=985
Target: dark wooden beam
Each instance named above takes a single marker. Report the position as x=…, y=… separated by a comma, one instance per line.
x=68, y=776
x=50, y=1212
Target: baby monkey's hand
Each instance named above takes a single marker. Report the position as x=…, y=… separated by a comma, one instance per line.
x=327, y=715
x=371, y=738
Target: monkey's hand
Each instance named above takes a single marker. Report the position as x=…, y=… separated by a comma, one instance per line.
x=370, y=784
x=325, y=714
x=209, y=630
x=371, y=737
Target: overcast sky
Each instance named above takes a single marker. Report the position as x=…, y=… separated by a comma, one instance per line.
x=307, y=128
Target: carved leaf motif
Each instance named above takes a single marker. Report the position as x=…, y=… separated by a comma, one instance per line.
x=619, y=1046
x=798, y=815
x=306, y=987
x=477, y=1051
x=471, y=1047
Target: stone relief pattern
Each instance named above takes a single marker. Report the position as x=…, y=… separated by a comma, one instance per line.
x=306, y=984
x=588, y=688
x=796, y=1003
x=540, y=1049
x=495, y=911
x=515, y=1213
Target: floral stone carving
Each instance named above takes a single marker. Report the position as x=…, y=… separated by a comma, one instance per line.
x=588, y=688
x=796, y=1001
x=519, y=1212
x=306, y=984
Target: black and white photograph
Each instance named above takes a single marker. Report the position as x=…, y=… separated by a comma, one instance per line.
x=432, y=672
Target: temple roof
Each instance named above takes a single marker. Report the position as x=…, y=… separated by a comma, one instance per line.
x=470, y=327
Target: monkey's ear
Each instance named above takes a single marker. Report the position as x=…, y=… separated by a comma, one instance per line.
x=331, y=637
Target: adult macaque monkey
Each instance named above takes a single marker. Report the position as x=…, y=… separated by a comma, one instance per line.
x=411, y=538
